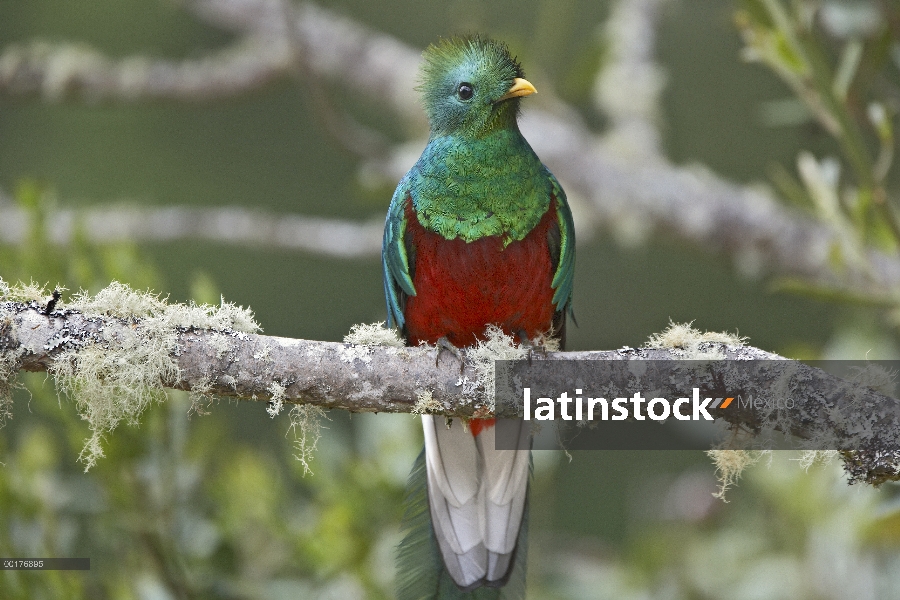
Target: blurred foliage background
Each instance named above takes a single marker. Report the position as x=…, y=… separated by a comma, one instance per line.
x=215, y=507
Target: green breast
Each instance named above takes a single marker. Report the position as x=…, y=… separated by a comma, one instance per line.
x=476, y=188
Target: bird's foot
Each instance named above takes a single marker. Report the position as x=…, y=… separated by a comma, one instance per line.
x=530, y=345
x=443, y=344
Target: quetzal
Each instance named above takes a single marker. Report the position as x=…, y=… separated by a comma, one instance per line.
x=478, y=233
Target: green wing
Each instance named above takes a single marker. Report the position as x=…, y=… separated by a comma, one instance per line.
x=394, y=259
x=565, y=268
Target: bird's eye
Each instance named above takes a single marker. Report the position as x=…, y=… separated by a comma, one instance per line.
x=465, y=91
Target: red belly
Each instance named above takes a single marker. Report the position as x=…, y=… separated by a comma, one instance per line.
x=461, y=288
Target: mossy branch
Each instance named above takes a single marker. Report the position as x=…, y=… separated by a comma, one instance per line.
x=115, y=359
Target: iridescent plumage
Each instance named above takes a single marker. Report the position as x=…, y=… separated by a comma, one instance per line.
x=478, y=233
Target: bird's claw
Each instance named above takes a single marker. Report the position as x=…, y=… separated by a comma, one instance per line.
x=525, y=342
x=443, y=344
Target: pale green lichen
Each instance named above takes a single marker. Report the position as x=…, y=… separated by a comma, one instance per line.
x=276, y=399
x=496, y=346
x=220, y=342
x=731, y=463
x=375, y=334
x=119, y=300
x=363, y=338
x=24, y=292
x=201, y=397
x=118, y=372
x=263, y=355
x=115, y=379
x=124, y=368
x=875, y=377
x=687, y=341
x=426, y=404
x=306, y=423
x=9, y=369
x=10, y=357
x=809, y=458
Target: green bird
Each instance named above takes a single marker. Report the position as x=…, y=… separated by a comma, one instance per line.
x=478, y=233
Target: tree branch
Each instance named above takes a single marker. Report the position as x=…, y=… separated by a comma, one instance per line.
x=224, y=225
x=619, y=180
x=362, y=378
x=61, y=71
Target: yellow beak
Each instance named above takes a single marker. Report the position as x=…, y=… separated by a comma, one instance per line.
x=520, y=87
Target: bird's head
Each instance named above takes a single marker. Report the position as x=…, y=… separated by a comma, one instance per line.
x=471, y=85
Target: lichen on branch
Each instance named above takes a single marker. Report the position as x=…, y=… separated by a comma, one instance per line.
x=115, y=353
x=114, y=371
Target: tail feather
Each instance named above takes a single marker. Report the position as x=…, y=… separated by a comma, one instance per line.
x=506, y=473
x=445, y=459
x=461, y=525
x=422, y=571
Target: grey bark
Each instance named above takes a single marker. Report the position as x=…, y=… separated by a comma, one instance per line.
x=393, y=379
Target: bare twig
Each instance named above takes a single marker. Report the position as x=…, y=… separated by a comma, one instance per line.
x=352, y=136
x=225, y=225
x=57, y=72
x=629, y=186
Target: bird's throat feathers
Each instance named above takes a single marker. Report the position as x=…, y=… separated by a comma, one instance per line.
x=491, y=186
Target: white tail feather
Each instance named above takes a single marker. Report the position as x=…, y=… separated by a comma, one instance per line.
x=477, y=497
